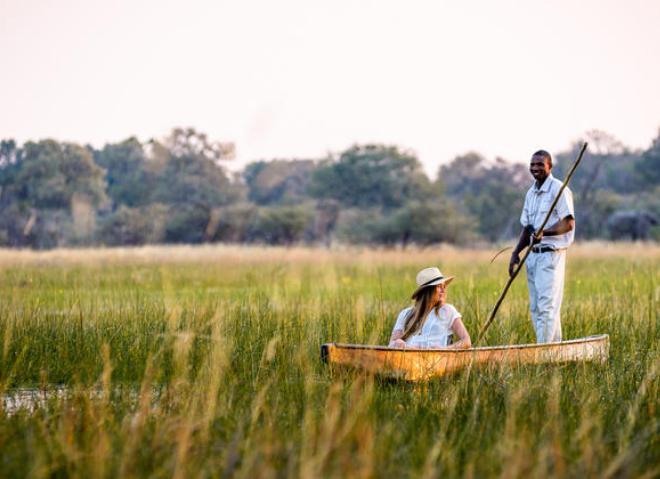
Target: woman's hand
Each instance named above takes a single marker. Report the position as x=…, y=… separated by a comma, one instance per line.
x=395, y=339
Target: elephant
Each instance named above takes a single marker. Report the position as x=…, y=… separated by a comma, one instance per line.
x=631, y=224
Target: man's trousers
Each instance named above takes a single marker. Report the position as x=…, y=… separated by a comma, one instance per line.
x=545, y=280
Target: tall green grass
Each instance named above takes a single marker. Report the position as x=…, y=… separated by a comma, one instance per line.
x=205, y=363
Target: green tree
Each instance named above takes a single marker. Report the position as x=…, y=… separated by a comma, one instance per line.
x=464, y=175
x=233, y=223
x=187, y=223
x=426, y=223
x=8, y=153
x=371, y=176
x=191, y=181
x=278, y=181
x=282, y=224
x=50, y=173
x=492, y=193
x=607, y=180
x=191, y=172
x=50, y=193
x=129, y=179
x=648, y=167
x=134, y=226
x=418, y=222
x=607, y=165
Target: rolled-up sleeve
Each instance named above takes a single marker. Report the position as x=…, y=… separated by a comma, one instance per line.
x=564, y=206
x=524, y=216
x=453, y=315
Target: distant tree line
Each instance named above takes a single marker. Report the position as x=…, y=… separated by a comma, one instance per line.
x=178, y=190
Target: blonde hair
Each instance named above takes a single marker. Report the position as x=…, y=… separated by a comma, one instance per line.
x=418, y=313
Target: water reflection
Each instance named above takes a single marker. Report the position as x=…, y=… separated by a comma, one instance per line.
x=31, y=399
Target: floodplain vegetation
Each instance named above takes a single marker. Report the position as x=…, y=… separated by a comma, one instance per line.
x=204, y=362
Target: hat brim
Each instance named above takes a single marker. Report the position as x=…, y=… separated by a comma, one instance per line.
x=445, y=280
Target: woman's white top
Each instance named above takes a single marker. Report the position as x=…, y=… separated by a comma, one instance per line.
x=435, y=331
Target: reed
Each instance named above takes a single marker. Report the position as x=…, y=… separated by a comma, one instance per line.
x=196, y=362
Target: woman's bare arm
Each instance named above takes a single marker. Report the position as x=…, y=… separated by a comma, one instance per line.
x=459, y=330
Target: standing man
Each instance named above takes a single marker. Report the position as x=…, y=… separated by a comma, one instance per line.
x=546, y=262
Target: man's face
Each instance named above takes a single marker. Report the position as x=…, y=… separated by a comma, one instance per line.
x=540, y=168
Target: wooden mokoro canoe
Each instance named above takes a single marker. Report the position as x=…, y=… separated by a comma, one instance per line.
x=423, y=364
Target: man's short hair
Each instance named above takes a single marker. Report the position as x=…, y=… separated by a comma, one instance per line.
x=545, y=155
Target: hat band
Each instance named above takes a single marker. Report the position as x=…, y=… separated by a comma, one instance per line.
x=431, y=281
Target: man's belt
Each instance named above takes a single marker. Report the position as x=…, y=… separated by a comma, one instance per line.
x=542, y=248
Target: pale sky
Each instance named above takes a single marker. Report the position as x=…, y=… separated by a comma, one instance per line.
x=300, y=78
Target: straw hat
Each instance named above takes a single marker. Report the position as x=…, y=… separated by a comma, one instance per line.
x=430, y=277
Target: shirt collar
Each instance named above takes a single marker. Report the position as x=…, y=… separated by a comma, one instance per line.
x=545, y=187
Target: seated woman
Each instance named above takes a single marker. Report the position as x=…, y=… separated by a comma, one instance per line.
x=431, y=321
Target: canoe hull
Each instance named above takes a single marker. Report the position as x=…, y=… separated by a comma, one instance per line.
x=424, y=364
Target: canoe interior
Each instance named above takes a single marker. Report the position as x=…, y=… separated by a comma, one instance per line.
x=423, y=364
